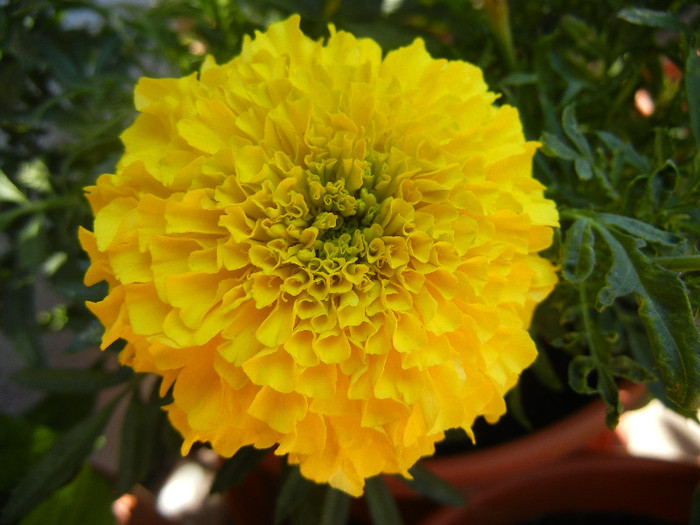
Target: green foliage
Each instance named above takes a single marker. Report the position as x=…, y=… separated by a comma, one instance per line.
x=56, y=466
x=627, y=186
x=382, y=506
x=86, y=499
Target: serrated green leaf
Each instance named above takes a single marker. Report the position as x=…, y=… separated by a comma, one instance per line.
x=294, y=490
x=652, y=18
x=579, y=255
x=571, y=128
x=70, y=380
x=580, y=368
x=664, y=309
x=625, y=366
x=639, y=229
x=87, y=499
x=57, y=466
x=554, y=147
x=382, y=505
x=236, y=468
x=611, y=396
x=433, y=487
x=336, y=507
x=692, y=90
x=628, y=153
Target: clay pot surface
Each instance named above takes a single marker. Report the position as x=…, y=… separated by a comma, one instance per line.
x=594, y=482
x=583, y=429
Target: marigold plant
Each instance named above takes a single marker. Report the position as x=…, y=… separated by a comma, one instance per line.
x=323, y=249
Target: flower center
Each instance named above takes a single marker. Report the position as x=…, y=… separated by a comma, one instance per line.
x=344, y=218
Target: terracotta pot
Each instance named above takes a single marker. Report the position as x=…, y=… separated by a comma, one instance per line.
x=584, y=429
x=596, y=482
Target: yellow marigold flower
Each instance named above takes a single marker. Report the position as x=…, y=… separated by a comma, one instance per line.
x=325, y=250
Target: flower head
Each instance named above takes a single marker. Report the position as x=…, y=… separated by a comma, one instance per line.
x=325, y=250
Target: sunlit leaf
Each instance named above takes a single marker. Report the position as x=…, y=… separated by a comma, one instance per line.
x=87, y=499
x=35, y=175
x=21, y=444
x=9, y=192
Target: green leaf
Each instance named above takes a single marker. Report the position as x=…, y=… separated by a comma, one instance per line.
x=294, y=490
x=680, y=263
x=35, y=175
x=89, y=337
x=628, y=153
x=580, y=368
x=572, y=130
x=10, y=216
x=554, y=147
x=87, y=499
x=138, y=444
x=664, y=309
x=21, y=444
x=235, y=469
x=611, y=395
x=692, y=90
x=519, y=79
x=545, y=372
x=71, y=380
x=336, y=507
x=9, y=192
x=652, y=18
x=19, y=324
x=516, y=407
x=625, y=366
x=57, y=466
x=583, y=168
x=579, y=255
x=639, y=229
x=381, y=503
x=433, y=487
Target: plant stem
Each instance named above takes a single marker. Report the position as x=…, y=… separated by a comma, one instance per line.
x=680, y=263
x=497, y=15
